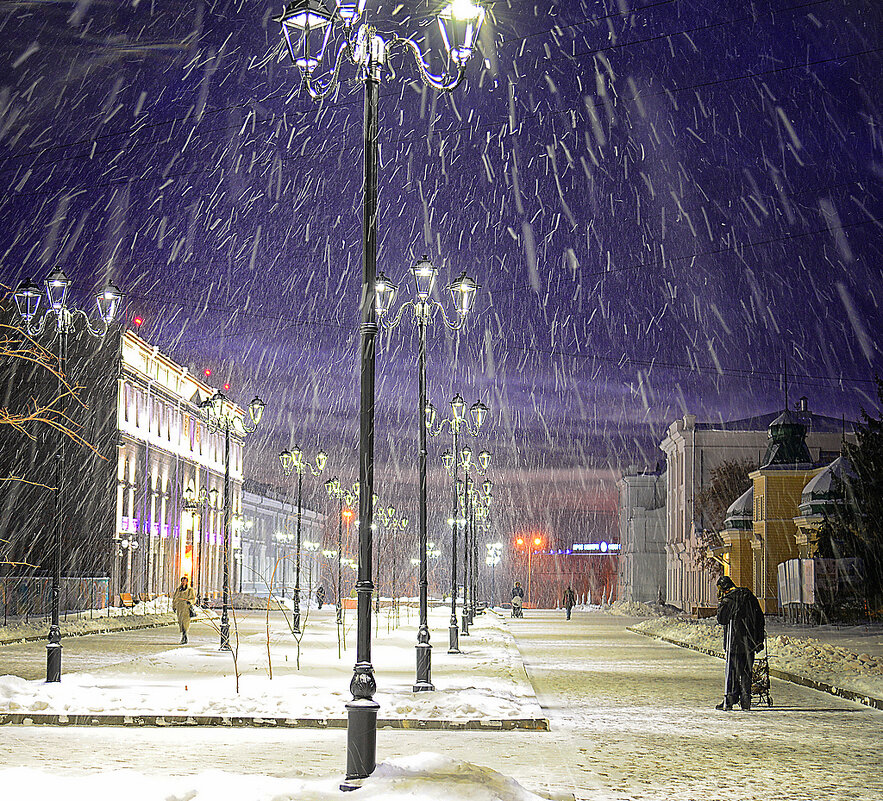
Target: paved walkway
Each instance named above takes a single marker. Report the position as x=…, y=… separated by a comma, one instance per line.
x=632, y=718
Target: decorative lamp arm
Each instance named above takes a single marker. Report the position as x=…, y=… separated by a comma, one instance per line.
x=388, y=324
x=318, y=89
x=443, y=84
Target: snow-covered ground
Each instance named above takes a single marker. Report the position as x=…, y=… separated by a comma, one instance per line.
x=487, y=683
x=417, y=778
x=631, y=718
x=806, y=656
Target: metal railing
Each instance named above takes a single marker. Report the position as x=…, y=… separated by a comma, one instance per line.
x=29, y=597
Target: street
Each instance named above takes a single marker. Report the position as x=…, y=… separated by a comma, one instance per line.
x=631, y=718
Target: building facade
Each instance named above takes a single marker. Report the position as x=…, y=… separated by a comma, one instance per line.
x=642, y=535
x=693, y=449
x=268, y=543
x=122, y=498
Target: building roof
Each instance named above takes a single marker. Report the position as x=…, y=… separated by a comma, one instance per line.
x=787, y=442
x=826, y=488
x=813, y=423
x=741, y=511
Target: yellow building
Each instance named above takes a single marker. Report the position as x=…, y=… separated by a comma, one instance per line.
x=776, y=518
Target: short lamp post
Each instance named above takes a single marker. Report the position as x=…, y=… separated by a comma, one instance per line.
x=307, y=28
x=456, y=421
x=27, y=300
x=221, y=415
x=295, y=462
x=463, y=294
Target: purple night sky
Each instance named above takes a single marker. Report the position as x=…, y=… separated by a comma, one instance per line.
x=662, y=202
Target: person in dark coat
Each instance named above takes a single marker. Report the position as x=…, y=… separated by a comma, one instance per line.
x=517, y=600
x=739, y=612
x=320, y=595
x=568, y=600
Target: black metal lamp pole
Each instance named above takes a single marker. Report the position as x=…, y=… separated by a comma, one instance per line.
x=424, y=649
x=220, y=414
x=53, y=642
x=306, y=27
x=225, y=619
x=296, y=612
x=463, y=293
x=27, y=300
x=453, y=630
x=464, y=612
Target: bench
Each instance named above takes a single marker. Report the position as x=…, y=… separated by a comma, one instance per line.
x=125, y=600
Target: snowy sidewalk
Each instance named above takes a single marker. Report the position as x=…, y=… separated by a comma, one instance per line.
x=836, y=661
x=483, y=687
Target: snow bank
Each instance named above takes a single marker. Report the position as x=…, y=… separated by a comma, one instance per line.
x=423, y=777
x=486, y=682
x=807, y=657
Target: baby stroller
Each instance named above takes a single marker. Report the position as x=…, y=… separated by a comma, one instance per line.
x=760, y=677
x=517, y=607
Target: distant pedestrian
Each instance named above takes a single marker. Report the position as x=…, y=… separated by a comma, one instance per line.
x=320, y=595
x=517, y=600
x=568, y=600
x=740, y=614
x=182, y=603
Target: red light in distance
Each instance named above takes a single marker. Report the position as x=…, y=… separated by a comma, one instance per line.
x=137, y=321
x=207, y=371
x=226, y=387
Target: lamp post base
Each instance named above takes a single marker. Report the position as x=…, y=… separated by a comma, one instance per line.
x=53, y=655
x=464, y=624
x=361, y=741
x=453, y=639
x=424, y=668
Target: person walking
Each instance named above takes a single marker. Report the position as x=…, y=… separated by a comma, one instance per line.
x=182, y=603
x=739, y=612
x=320, y=595
x=568, y=600
x=517, y=600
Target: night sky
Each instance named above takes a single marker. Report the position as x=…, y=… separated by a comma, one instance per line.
x=663, y=202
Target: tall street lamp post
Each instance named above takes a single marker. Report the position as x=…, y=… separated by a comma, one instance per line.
x=296, y=462
x=456, y=421
x=463, y=293
x=27, y=300
x=221, y=415
x=307, y=26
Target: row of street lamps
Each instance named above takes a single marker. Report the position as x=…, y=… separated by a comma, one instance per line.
x=307, y=27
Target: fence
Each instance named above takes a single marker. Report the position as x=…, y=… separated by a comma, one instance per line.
x=26, y=597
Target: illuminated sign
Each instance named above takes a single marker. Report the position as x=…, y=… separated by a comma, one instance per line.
x=596, y=547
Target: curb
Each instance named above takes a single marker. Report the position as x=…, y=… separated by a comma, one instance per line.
x=163, y=721
x=112, y=630
x=794, y=678
x=65, y=635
